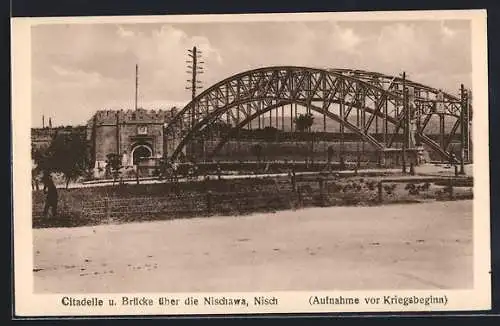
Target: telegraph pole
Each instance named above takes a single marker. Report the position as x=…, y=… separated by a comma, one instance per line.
x=194, y=68
x=405, y=120
x=463, y=104
x=410, y=127
x=468, y=125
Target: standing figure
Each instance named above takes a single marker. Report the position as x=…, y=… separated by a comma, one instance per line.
x=34, y=181
x=51, y=200
x=219, y=171
x=453, y=162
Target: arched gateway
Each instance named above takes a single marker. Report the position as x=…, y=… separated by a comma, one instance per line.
x=140, y=152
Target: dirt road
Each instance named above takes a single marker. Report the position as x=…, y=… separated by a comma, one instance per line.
x=418, y=246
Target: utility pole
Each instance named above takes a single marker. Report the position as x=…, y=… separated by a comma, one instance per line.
x=194, y=68
x=405, y=120
x=469, y=125
x=410, y=127
x=43, y=121
x=463, y=106
x=136, y=84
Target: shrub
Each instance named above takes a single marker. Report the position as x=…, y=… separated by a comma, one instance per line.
x=347, y=187
x=370, y=185
x=412, y=188
x=389, y=189
x=334, y=188
x=424, y=187
x=305, y=189
x=448, y=188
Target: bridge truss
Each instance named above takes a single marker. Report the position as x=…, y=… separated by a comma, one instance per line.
x=376, y=107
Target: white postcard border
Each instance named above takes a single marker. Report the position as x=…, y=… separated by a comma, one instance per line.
x=29, y=304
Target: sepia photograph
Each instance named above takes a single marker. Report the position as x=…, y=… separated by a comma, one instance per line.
x=230, y=160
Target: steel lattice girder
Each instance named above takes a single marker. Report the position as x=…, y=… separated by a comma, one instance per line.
x=261, y=90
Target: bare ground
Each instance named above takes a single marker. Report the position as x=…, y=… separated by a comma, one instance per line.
x=417, y=246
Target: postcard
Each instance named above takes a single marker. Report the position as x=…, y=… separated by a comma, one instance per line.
x=251, y=164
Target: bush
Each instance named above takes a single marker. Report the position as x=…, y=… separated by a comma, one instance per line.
x=389, y=189
x=334, y=188
x=370, y=185
x=128, y=172
x=425, y=186
x=410, y=186
x=448, y=189
x=412, y=189
x=347, y=188
x=305, y=189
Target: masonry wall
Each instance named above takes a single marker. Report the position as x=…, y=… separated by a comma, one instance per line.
x=299, y=150
x=105, y=141
x=290, y=150
x=105, y=136
x=156, y=130
x=127, y=131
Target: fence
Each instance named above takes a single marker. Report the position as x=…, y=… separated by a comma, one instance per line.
x=280, y=194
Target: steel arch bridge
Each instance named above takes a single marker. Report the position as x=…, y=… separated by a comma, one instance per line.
x=376, y=100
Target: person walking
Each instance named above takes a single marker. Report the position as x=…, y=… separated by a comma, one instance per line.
x=51, y=200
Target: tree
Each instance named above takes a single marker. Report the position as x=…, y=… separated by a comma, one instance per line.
x=303, y=122
x=37, y=161
x=67, y=154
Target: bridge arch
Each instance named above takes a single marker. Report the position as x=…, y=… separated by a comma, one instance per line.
x=334, y=93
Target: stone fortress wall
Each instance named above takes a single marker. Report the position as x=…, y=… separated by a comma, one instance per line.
x=123, y=132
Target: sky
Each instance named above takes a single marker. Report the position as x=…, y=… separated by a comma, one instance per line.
x=78, y=69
